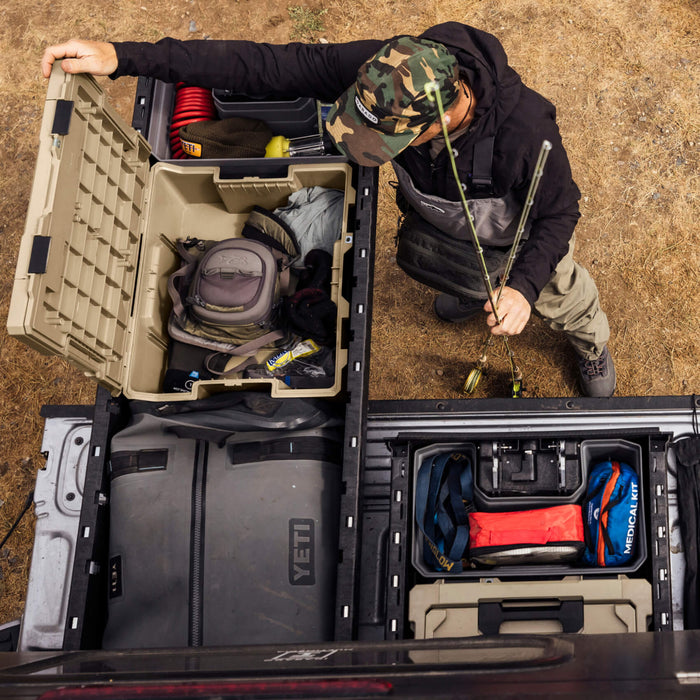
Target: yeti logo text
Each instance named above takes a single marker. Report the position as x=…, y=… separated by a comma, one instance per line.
x=365, y=112
x=302, y=567
x=192, y=149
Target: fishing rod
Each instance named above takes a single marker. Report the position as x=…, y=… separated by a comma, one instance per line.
x=529, y=200
x=475, y=374
x=470, y=384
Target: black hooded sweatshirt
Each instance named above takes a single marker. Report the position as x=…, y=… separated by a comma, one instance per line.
x=519, y=118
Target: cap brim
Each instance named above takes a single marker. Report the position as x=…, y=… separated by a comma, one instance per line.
x=357, y=140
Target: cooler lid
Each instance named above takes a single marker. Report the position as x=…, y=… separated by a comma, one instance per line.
x=78, y=259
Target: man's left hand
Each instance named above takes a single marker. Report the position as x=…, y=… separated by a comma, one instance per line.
x=513, y=310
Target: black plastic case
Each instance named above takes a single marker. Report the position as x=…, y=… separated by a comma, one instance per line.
x=546, y=471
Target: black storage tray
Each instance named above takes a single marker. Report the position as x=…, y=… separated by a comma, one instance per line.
x=154, y=104
x=592, y=451
x=375, y=598
x=290, y=118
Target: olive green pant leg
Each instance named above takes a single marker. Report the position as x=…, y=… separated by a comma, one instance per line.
x=569, y=303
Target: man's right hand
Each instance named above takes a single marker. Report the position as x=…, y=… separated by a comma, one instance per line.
x=513, y=310
x=96, y=57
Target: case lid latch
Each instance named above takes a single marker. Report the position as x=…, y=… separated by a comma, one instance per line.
x=61, y=119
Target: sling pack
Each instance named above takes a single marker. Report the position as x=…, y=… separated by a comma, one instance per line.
x=543, y=536
x=610, y=513
x=226, y=294
x=444, y=263
x=444, y=494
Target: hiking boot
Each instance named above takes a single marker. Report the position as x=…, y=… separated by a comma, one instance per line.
x=454, y=310
x=597, y=376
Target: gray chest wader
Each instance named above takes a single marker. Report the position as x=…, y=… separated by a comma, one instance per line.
x=435, y=246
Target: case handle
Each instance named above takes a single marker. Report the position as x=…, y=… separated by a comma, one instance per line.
x=569, y=613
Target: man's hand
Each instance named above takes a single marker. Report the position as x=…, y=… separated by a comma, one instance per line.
x=513, y=310
x=96, y=57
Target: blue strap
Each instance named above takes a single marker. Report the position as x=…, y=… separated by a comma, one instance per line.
x=459, y=490
x=427, y=484
x=443, y=484
x=460, y=542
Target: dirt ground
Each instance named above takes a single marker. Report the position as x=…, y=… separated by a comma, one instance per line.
x=624, y=77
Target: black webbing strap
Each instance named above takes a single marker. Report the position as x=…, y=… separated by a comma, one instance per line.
x=295, y=448
x=128, y=462
x=482, y=166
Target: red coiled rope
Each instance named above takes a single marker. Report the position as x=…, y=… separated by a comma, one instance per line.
x=192, y=104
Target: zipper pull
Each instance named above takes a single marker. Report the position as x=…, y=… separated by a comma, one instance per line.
x=195, y=300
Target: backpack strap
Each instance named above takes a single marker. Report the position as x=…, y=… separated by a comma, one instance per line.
x=247, y=350
x=188, y=266
x=482, y=166
x=268, y=228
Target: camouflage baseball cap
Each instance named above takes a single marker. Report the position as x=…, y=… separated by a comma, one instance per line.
x=387, y=107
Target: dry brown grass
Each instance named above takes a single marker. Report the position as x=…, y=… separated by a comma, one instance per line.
x=625, y=79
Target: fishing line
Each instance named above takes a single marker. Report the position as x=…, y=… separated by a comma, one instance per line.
x=475, y=375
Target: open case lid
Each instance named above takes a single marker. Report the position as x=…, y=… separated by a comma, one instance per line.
x=78, y=259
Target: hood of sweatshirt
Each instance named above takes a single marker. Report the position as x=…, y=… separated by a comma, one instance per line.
x=483, y=60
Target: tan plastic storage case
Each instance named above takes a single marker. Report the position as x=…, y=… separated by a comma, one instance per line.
x=99, y=244
x=451, y=609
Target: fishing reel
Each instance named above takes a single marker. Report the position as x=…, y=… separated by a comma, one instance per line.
x=475, y=375
x=472, y=380
x=516, y=389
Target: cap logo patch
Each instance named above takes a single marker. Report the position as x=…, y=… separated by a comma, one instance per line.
x=365, y=112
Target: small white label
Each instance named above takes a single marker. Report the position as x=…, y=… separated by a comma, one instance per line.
x=365, y=112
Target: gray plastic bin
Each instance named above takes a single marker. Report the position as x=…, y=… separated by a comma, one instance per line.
x=290, y=118
x=592, y=452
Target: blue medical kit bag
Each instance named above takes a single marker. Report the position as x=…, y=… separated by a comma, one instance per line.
x=610, y=512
